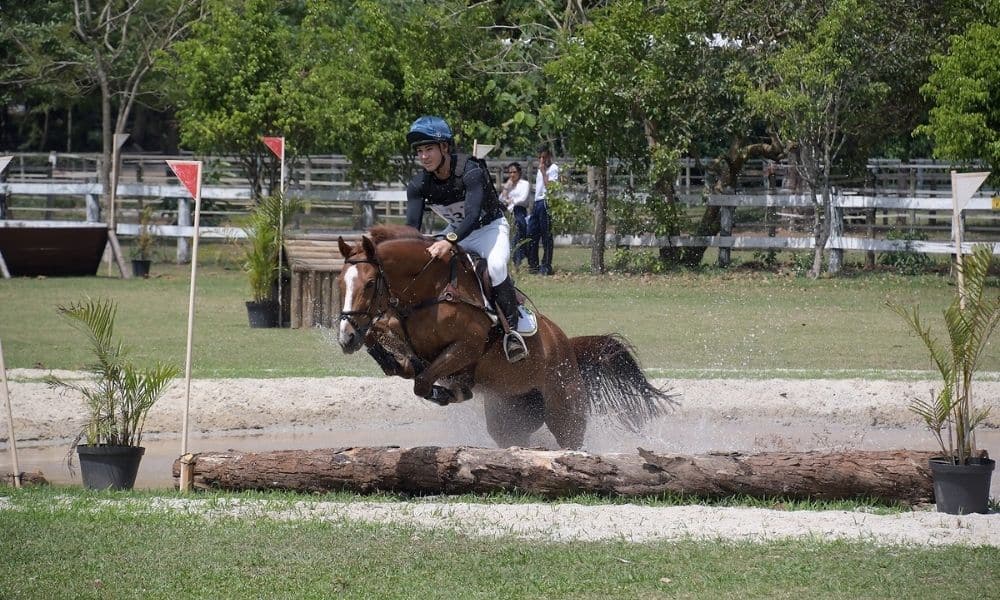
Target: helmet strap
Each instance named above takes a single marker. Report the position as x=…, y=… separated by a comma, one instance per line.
x=443, y=169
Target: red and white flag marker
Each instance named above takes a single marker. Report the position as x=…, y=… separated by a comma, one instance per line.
x=189, y=173
x=277, y=146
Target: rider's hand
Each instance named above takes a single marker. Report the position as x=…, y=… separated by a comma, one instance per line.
x=441, y=249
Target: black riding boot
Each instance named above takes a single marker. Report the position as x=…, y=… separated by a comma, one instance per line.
x=506, y=301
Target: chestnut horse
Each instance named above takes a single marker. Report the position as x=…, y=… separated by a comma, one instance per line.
x=426, y=320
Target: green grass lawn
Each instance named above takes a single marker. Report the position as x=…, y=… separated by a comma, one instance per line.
x=706, y=323
x=65, y=544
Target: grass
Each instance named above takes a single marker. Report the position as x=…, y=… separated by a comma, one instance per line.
x=62, y=544
x=709, y=323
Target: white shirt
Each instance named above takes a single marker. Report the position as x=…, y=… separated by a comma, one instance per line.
x=553, y=173
x=518, y=195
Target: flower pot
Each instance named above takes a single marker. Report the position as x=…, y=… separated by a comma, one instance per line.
x=109, y=467
x=962, y=489
x=263, y=314
x=140, y=268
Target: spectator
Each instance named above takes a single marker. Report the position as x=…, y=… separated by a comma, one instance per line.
x=540, y=225
x=515, y=196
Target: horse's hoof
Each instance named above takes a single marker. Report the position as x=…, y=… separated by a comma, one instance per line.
x=440, y=395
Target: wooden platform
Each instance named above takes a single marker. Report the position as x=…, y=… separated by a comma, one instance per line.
x=52, y=248
x=315, y=263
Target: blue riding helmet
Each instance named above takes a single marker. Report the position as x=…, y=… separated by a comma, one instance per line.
x=427, y=130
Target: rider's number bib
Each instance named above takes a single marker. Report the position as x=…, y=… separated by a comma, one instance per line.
x=453, y=213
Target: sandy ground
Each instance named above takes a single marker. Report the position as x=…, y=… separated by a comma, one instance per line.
x=713, y=415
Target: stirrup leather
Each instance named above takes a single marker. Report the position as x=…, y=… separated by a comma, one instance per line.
x=514, y=347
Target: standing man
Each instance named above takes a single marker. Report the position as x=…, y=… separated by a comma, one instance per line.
x=515, y=195
x=463, y=195
x=540, y=225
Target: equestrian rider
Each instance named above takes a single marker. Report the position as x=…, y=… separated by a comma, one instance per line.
x=458, y=193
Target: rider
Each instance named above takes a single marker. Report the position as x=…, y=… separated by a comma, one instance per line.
x=474, y=216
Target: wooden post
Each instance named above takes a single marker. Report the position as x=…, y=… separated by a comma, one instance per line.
x=725, y=230
x=116, y=252
x=184, y=220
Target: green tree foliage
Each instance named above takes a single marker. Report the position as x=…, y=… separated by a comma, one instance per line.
x=373, y=67
x=964, y=123
x=235, y=80
x=110, y=46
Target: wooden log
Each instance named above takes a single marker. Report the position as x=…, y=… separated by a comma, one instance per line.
x=891, y=476
x=32, y=478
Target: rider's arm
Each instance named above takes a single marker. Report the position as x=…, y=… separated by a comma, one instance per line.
x=473, y=180
x=414, y=202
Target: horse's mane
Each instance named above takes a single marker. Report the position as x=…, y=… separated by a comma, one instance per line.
x=383, y=233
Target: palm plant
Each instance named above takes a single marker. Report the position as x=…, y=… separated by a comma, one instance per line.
x=121, y=394
x=970, y=319
x=263, y=239
x=145, y=240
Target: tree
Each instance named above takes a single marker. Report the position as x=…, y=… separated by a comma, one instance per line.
x=819, y=95
x=110, y=46
x=964, y=123
x=373, y=67
x=236, y=79
x=641, y=83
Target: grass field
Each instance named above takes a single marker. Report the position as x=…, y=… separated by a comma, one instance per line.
x=708, y=323
x=72, y=544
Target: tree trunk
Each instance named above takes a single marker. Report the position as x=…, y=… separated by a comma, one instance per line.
x=890, y=476
x=600, y=176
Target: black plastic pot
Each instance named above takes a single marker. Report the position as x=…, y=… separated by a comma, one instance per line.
x=109, y=467
x=962, y=489
x=263, y=314
x=140, y=268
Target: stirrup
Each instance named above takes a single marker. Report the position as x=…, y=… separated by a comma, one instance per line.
x=514, y=347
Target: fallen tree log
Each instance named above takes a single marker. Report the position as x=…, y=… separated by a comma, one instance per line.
x=891, y=476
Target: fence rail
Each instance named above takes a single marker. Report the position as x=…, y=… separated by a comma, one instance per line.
x=911, y=197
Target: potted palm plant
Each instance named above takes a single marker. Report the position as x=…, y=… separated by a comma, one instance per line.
x=262, y=233
x=117, y=400
x=962, y=474
x=142, y=250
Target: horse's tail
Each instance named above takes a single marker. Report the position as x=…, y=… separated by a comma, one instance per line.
x=615, y=382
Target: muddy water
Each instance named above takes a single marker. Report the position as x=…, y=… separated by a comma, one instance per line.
x=463, y=425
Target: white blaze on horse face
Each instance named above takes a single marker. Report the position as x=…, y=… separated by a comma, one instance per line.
x=350, y=282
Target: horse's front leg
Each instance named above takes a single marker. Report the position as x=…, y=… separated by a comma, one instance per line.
x=456, y=357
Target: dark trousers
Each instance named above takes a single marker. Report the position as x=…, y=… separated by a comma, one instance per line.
x=520, y=235
x=540, y=232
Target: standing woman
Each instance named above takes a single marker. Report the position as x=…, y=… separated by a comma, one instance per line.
x=515, y=195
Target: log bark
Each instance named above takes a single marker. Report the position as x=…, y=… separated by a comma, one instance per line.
x=891, y=476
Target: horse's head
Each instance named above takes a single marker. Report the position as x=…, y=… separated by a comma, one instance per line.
x=363, y=292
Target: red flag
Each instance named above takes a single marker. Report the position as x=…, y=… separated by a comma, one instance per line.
x=189, y=172
x=277, y=145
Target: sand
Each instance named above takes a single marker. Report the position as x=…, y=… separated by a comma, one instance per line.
x=714, y=415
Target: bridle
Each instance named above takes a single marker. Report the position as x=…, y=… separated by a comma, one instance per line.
x=373, y=312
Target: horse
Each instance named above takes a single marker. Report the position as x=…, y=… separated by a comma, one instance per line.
x=429, y=320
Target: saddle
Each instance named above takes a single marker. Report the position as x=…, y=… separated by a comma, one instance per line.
x=527, y=323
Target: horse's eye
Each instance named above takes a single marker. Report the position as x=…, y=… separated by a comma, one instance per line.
x=369, y=284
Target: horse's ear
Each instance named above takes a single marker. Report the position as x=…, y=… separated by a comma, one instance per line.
x=345, y=248
x=368, y=245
